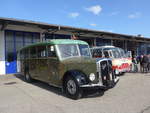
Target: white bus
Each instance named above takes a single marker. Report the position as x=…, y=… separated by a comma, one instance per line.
x=121, y=62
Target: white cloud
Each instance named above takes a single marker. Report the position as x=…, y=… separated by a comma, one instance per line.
x=92, y=24
x=110, y=30
x=95, y=9
x=74, y=15
x=134, y=15
x=114, y=13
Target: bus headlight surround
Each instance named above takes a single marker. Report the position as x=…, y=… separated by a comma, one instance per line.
x=92, y=77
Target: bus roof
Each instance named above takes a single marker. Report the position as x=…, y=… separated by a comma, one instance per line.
x=57, y=42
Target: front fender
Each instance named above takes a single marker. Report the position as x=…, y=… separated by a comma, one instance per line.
x=80, y=77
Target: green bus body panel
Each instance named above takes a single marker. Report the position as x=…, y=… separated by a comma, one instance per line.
x=82, y=64
x=52, y=71
x=57, y=42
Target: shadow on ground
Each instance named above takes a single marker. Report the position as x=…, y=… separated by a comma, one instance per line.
x=86, y=93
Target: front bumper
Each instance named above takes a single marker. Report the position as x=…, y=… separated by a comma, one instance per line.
x=100, y=85
x=92, y=85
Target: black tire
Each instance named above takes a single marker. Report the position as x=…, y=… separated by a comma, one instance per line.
x=122, y=73
x=27, y=77
x=72, y=88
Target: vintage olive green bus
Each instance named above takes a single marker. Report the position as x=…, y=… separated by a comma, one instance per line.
x=63, y=63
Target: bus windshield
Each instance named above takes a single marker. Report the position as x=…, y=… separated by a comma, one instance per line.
x=115, y=52
x=72, y=50
x=122, y=52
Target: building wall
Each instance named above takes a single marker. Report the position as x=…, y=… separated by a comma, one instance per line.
x=28, y=28
x=24, y=28
x=14, y=40
x=2, y=53
x=2, y=41
x=103, y=42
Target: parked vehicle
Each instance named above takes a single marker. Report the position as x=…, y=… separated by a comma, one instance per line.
x=67, y=64
x=104, y=67
x=120, y=61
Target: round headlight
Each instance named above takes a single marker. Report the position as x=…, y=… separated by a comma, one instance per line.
x=92, y=77
x=116, y=71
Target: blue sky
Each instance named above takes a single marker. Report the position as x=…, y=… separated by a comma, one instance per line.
x=119, y=16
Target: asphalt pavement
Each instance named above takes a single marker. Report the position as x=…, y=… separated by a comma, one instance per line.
x=130, y=95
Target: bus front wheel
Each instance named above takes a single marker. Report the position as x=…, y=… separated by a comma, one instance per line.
x=72, y=88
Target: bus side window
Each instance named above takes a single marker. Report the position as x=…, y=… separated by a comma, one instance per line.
x=51, y=51
x=33, y=52
x=100, y=53
x=21, y=55
x=106, y=54
x=97, y=53
x=110, y=54
x=94, y=53
x=25, y=54
x=41, y=51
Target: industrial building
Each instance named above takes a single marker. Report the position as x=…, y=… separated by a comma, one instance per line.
x=15, y=34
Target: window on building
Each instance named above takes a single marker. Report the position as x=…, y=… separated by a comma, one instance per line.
x=28, y=38
x=49, y=37
x=19, y=40
x=36, y=37
x=103, y=42
x=10, y=46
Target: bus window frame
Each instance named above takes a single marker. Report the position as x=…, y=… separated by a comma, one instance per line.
x=55, y=51
x=41, y=56
x=29, y=52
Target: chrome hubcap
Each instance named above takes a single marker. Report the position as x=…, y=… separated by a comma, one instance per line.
x=71, y=87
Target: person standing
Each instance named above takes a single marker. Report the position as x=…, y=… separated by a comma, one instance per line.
x=140, y=61
x=134, y=63
x=145, y=63
x=148, y=65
